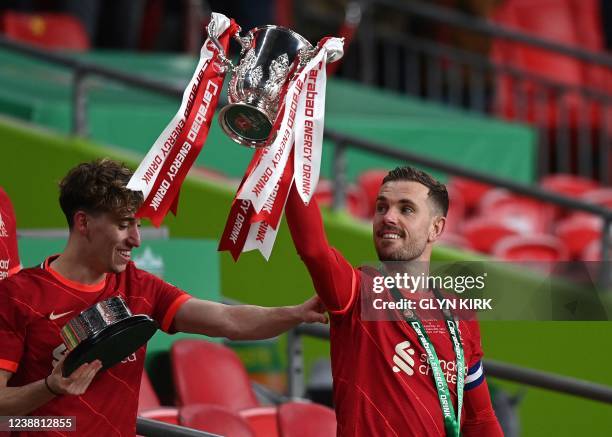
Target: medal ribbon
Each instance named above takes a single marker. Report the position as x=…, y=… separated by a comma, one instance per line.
x=452, y=422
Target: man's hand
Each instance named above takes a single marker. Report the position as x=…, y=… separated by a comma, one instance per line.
x=77, y=382
x=313, y=310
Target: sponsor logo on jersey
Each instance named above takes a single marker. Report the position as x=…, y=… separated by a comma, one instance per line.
x=404, y=361
x=403, y=358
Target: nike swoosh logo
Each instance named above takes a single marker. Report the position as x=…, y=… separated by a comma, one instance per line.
x=53, y=316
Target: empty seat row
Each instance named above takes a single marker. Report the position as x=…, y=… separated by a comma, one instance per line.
x=214, y=394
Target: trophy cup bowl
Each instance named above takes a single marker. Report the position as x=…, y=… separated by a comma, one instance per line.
x=268, y=57
x=106, y=331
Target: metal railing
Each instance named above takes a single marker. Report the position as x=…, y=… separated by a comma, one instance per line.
x=81, y=70
x=343, y=141
x=510, y=372
x=572, y=121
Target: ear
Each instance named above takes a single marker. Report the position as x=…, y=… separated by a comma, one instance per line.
x=436, y=228
x=80, y=222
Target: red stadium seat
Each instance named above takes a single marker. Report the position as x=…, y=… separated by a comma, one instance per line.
x=216, y=420
x=162, y=414
x=52, y=31
x=147, y=398
x=592, y=252
x=453, y=240
x=298, y=419
x=262, y=420
x=209, y=373
x=524, y=214
x=471, y=191
x=578, y=231
x=568, y=185
x=561, y=21
x=524, y=248
x=483, y=233
x=370, y=181
x=587, y=17
x=599, y=196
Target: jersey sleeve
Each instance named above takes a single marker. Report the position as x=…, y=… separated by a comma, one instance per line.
x=166, y=299
x=14, y=319
x=475, y=342
x=8, y=236
x=334, y=279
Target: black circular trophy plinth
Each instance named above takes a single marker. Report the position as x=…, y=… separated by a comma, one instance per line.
x=107, y=331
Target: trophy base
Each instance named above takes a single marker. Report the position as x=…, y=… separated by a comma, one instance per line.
x=245, y=124
x=111, y=345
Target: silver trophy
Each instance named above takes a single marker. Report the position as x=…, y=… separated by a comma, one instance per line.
x=106, y=331
x=270, y=57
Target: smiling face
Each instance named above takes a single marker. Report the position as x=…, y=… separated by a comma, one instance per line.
x=110, y=240
x=406, y=222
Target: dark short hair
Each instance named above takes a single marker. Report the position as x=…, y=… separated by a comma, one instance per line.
x=98, y=187
x=437, y=190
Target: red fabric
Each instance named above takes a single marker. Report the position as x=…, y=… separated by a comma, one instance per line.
x=28, y=337
x=54, y=31
x=480, y=417
x=9, y=253
x=371, y=398
x=209, y=373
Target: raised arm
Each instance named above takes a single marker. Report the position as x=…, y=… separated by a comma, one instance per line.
x=333, y=277
x=244, y=322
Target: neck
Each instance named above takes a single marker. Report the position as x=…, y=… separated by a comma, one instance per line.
x=74, y=265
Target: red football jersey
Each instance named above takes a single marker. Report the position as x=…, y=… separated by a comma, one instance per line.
x=9, y=255
x=38, y=302
x=383, y=383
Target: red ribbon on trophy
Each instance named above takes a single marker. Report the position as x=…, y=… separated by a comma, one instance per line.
x=293, y=157
x=277, y=104
x=161, y=173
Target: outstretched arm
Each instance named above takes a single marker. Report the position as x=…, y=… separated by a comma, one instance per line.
x=333, y=277
x=244, y=322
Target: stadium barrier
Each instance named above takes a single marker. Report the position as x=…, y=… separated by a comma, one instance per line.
x=153, y=428
x=82, y=70
x=510, y=372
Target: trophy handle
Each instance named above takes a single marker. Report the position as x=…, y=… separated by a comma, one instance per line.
x=244, y=41
x=212, y=35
